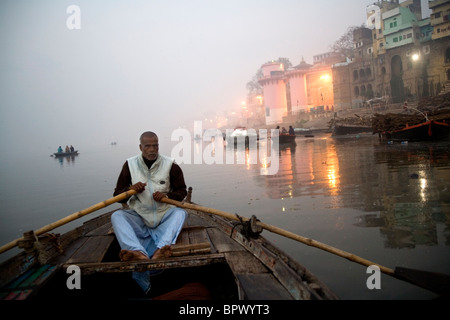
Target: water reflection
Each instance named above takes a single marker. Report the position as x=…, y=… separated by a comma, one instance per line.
x=68, y=160
x=402, y=190
x=308, y=168
x=415, y=200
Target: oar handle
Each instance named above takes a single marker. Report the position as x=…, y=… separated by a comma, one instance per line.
x=71, y=217
x=285, y=233
x=323, y=246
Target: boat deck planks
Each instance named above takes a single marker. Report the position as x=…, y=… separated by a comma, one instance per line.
x=262, y=286
x=205, y=240
x=92, y=250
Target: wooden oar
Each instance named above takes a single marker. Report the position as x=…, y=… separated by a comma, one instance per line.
x=71, y=217
x=435, y=282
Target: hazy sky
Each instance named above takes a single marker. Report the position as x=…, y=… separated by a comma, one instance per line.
x=146, y=65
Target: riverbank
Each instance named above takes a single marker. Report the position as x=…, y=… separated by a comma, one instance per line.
x=321, y=121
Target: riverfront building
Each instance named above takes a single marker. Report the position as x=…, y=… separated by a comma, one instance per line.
x=399, y=56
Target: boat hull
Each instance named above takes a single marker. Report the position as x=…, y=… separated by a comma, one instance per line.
x=286, y=138
x=208, y=246
x=65, y=154
x=428, y=131
x=340, y=130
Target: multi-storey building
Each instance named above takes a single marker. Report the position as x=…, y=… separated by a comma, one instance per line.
x=440, y=18
x=401, y=61
x=275, y=98
x=440, y=22
x=399, y=56
x=299, y=89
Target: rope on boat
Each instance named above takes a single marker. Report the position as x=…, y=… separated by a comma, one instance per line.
x=250, y=228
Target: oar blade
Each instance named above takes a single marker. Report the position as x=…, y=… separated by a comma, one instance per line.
x=433, y=281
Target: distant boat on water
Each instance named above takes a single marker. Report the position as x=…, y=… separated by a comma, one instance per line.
x=65, y=154
x=286, y=138
x=242, y=135
x=345, y=129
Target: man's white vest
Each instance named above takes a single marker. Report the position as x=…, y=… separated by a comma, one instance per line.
x=157, y=179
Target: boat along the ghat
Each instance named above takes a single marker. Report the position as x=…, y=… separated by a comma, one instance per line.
x=215, y=258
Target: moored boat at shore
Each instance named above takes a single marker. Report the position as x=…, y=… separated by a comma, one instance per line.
x=346, y=129
x=352, y=125
x=426, y=131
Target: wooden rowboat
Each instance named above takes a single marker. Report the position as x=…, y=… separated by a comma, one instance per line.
x=214, y=258
x=347, y=129
x=426, y=131
x=65, y=154
x=286, y=138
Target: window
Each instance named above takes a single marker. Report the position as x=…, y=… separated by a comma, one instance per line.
x=362, y=73
x=395, y=39
x=447, y=55
x=363, y=91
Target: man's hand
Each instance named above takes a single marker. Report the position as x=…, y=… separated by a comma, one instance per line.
x=158, y=196
x=139, y=187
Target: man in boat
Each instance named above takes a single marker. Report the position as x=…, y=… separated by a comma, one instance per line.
x=146, y=229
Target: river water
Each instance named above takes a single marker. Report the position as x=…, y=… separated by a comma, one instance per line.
x=387, y=203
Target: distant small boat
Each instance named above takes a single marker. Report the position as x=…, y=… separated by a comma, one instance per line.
x=344, y=129
x=241, y=135
x=65, y=154
x=286, y=138
x=303, y=132
x=430, y=130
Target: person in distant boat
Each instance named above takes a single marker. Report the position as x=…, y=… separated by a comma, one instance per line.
x=291, y=131
x=67, y=149
x=72, y=149
x=60, y=150
x=146, y=229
